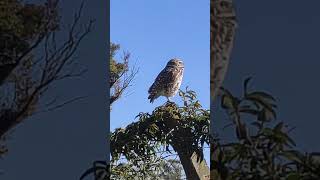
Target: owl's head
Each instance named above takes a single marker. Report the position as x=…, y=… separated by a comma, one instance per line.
x=175, y=62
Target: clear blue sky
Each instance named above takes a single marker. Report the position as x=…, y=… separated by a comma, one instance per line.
x=154, y=32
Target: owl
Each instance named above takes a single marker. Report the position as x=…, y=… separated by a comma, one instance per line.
x=168, y=81
x=222, y=32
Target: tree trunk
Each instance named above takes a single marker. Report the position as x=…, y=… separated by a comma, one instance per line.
x=186, y=160
x=222, y=34
x=194, y=169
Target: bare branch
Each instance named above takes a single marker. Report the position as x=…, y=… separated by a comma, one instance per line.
x=36, y=72
x=124, y=79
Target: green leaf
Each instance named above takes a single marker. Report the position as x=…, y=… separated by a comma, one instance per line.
x=293, y=155
x=245, y=85
x=227, y=102
x=91, y=171
x=278, y=127
x=293, y=176
x=266, y=115
x=256, y=98
x=267, y=131
x=241, y=131
x=290, y=140
x=263, y=95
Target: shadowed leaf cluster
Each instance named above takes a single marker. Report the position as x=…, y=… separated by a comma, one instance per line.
x=263, y=148
x=166, y=126
x=34, y=53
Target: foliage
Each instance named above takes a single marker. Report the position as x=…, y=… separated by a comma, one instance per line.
x=21, y=24
x=121, y=76
x=31, y=58
x=139, y=142
x=263, y=151
x=26, y=20
x=141, y=149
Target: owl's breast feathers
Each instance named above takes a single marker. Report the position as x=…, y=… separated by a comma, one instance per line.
x=166, y=84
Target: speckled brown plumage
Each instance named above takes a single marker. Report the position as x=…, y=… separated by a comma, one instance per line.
x=168, y=81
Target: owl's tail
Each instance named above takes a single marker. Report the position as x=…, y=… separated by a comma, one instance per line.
x=151, y=97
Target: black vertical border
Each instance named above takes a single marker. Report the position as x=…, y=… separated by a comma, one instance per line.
x=107, y=5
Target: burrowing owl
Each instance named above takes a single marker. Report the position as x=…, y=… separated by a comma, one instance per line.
x=222, y=30
x=168, y=81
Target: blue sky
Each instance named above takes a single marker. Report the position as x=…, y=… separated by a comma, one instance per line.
x=153, y=32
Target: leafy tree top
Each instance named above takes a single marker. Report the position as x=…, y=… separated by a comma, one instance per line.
x=168, y=125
